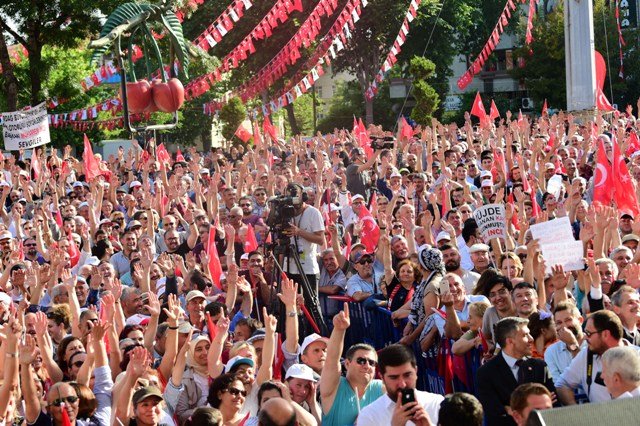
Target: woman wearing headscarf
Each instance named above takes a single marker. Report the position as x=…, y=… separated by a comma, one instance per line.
x=427, y=294
x=195, y=379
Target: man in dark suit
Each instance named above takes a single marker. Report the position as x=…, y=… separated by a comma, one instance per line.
x=499, y=377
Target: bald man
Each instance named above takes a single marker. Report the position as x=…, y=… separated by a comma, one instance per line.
x=277, y=412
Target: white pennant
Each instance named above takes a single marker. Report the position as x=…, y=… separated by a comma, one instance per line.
x=339, y=45
x=298, y=91
x=212, y=42
x=247, y=4
x=409, y=16
x=289, y=97
x=354, y=16
x=221, y=29
x=332, y=52
x=314, y=75
x=306, y=83
x=234, y=15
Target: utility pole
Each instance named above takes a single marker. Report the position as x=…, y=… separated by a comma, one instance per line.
x=579, y=55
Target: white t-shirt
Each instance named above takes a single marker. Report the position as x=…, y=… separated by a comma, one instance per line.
x=311, y=221
x=380, y=411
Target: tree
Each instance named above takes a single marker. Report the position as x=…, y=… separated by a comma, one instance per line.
x=427, y=100
x=37, y=23
x=10, y=82
x=231, y=115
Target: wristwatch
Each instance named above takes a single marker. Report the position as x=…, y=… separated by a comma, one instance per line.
x=292, y=314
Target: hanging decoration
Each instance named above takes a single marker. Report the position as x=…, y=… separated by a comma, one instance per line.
x=494, y=39
x=621, y=41
x=528, y=38
x=222, y=25
x=279, y=12
x=391, y=59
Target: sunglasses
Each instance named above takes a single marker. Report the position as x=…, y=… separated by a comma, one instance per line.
x=245, y=205
x=398, y=226
x=58, y=402
x=362, y=361
x=236, y=392
x=363, y=261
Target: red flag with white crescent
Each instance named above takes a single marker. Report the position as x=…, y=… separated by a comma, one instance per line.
x=624, y=194
x=602, y=179
x=478, y=108
x=602, y=103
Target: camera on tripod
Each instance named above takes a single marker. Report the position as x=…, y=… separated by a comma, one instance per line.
x=281, y=211
x=384, y=142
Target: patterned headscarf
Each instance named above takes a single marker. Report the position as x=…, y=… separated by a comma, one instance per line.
x=431, y=259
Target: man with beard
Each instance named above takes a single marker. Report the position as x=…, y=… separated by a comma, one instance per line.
x=603, y=331
x=121, y=261
x=31, y=251
x=568, y=322
x=397, y=364
x=174, y=246
x=248, y=217
x=365, y=283
x=451, y=258
x=626, y=304
x=399, y=250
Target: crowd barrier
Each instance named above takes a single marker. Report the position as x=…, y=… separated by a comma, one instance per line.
x=439, y=371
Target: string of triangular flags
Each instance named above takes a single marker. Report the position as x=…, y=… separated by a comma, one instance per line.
x=494, y=39
x=263, y=30
x=621, y=41
x=335, y=40
x=391, y=59
x=287, y=56
x=222, y=24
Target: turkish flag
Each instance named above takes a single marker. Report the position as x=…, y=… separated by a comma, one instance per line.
x=544, y=108
x=634, y=144
x=602, y=103
x=625, y=195
x=179, y=156
x=370, y=230
x=478, y=108
x=269, y=128
x=214, y=260
x=91, y=166
x=407, y=131
x=603, y=181
x=257, y=137
x=162, y=154
x=243, y=134
x=251, y=242
x=493, y=111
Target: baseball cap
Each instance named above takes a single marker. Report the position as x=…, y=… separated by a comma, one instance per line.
x=135, y=184
x=395, y=174
x=549, y=166
x=357, y=197
x=77, y=184
x=133, y=224
x=359, y=256
x=630, y=237
x=92, y=260
x=300, y=371
x=486, y=183
x=146, y=392
x=259, y=334
x=204, y=171
x=236, y=361
x=404, y=171
x=5, y=235
x=245, y=256
x=193, y=294
x=5, y=299
x=357, y=246
x=312, y=338
x=442, y=235
x=626, y=214
x=478, y=247
x=138, y=319
x=485, y=174
x=184, y=327
x=105, y=222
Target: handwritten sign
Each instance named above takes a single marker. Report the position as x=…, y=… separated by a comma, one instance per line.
x=491, y=220
x=558, y=245
x=26, y=129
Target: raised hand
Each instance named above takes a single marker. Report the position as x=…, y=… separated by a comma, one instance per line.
x=138, y=362
x=99, y=330
x=154, y=304
x=342, y=320
x=289, y=292
x=270, y=321
x=559, y=278
x=27, y=350
x=173, y=310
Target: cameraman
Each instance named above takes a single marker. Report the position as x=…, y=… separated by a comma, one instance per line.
x=307, y=233
x=359, y=172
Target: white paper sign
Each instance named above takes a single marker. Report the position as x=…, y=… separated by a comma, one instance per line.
x=26, y=129
x=558, y=245
x=492, y=221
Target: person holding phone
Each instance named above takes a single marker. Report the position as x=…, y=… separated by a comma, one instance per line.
x=402, y=404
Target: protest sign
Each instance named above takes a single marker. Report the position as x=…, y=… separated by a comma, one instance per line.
x=492, y=222
x=558, y=245
x=26, y=129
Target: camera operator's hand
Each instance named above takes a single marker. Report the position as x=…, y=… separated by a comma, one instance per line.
x=292, y=231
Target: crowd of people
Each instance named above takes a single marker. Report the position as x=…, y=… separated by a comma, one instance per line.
x=219, y=288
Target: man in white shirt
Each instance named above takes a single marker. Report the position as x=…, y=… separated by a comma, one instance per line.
x=603, y=331
x=621, y=372
x=571, y=339
x=397, y=364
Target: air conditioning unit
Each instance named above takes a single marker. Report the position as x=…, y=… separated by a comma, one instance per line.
x=527, y=103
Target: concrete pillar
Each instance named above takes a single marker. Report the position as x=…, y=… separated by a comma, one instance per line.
x=579, y=54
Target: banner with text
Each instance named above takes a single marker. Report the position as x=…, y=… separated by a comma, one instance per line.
x=491, y=220
x=558, y=245
x=26, y=129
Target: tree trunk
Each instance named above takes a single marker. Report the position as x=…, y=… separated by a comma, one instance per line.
x=35, y=70
x=368, y=111
x=10, y=80
x=291, y=116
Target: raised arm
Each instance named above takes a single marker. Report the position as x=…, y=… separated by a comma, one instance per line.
x=136, y=367
x=171, y=344
x=30, y=396
x=288, y=298
x=330, y=378
x=268, y=349
x=214, y=361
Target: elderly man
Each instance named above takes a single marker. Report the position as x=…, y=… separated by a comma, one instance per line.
x=621, y=372
x=332, y=281
x=365, y=283
x=480, y=257
x=626, y=304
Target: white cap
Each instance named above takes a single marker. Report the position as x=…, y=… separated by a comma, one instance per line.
x=193, y=294
x=92, y=260
x=478, y=247
x=138, y=319
x=442, y=235
x=5, y=299
x=105, y=221
x=357, y=197
x=309, y=340
x=204, y=171
x=77, y=184
x=485, y=173
x=300, y=371
x=548, y=166
x=395, y=173
x=134, y=184
x=5, y=183
x=334, y=207
x=245, y=256
x=238, y=360
x=6, y=235
x=486, y=183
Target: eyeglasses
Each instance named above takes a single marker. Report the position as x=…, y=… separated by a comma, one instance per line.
x=591, y=333
x=397, y=226
x=58, y=402
x=245, y=205
x=362, y=361
x=236, y=392
x=363, y=261
x=30, y=245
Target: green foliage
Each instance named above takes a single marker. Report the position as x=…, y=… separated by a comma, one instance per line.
x=303, y=109
x=231, y=115
x=427, y=100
